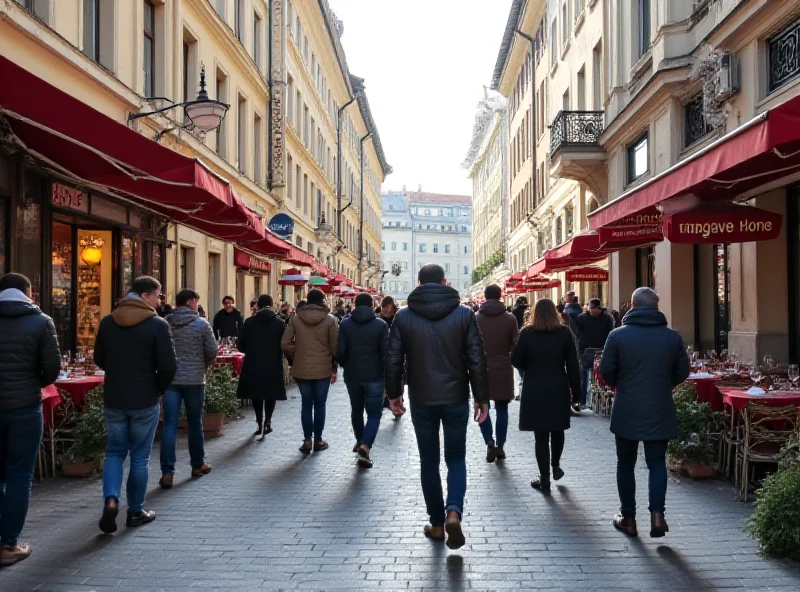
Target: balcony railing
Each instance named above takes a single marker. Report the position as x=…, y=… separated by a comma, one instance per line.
x=575, y=128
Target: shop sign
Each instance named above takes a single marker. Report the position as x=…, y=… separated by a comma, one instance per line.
x=587, y=274
x=68, y=197
x=244, y=260
x=722, y=224
x=647, y=217
x=624, y=234
x=282, y=225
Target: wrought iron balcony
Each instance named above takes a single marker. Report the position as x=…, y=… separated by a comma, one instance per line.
x=575, y=128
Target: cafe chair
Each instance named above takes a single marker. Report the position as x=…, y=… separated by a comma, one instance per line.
x=765, y=431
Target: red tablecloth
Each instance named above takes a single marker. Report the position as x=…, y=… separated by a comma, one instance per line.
x=78, y=388
x=738, y=399
x=707, y=391
x=50, y=400
x=235, y=360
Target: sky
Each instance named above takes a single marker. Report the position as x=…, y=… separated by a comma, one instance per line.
x=425, y=63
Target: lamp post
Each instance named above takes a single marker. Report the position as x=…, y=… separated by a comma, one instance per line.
x=205, y=114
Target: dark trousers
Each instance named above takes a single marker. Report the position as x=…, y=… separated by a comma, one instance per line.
x=264, y=409
x=501, y=410
x=453, y=418
x=655, y=454
x=547, y=442
x=20, y=436
x=365, y=396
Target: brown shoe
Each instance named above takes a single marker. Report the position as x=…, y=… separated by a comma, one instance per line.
x=11, y=554
x=320, y=445
x=435, y=533
x=625, y=524
x=203, y=469
x=452, y=526
x=658, y=525
x=166, y=481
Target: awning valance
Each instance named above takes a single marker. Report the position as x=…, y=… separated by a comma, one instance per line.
x=244, y=260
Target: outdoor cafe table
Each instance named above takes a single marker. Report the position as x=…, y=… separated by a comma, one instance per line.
x=50, y=400
x=235, y=359
x=739, y=399
x=78, y=388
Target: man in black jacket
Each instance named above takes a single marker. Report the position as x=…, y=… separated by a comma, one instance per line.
x=29, y=361
x=228, y=320
x=361, y=350
x=439, y=342
x=134, y=347
x=593, y=328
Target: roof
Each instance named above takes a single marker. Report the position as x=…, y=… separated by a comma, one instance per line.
x=506, y=44
x=439, y=198
x=333, y=33
x=363, y=106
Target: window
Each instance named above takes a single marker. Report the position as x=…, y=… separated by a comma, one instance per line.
x=257, y=156
x=694, y=122
x=447, y=268
x=466, y=249
x=394, y=246
x=582, y=89
x=241, y=145
x=289, y=178
x=405, y=246
x=447, y=248
x=91, y=29
x=638, y=160
x=222, y=130
x=290, y=100
x=466, y=269
x=427, y=212
x=783, y=53
x=644, y=27
x=423, y=248
x=219, y=7
x=257, y=49
x=553, y=42
x=564, y=22
x=597, y=78
x=298, y=187
x=238, y=19
x=190, y=66
x=435, y=247
x=305, y=194
x=149, y=49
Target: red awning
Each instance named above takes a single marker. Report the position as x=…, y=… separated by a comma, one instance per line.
x=244, y=260
x=762, y=151
x=93, y=149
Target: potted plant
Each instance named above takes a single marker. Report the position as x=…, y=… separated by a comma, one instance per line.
x=694, y=451
x=776, y=519
x=86, y=454
x=221, y=399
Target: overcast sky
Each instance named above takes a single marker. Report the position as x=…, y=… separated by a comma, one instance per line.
x=425, y=63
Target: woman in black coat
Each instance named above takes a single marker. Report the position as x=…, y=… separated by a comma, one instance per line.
x=261, y=378
x=546, y=355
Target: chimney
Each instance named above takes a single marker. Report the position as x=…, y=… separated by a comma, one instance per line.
x=404, y=189
x=419, y=189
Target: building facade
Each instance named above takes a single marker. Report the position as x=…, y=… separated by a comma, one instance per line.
x=440, y=232
x=126, y=66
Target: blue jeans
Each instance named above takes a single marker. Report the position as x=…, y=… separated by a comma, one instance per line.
x=655, y=454
x=365, y=396
x=587, y=366
x=501, y=409
x=454, y=419
x=314, y=395
x=193, y=396
x=20, y=436
x=129, y=431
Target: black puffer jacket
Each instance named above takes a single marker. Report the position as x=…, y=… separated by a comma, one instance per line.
x=440, y=341
x=29, y=355
x=361, y=349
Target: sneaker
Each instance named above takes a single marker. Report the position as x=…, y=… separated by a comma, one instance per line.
x=140, y=518
x=203, y=469
x=491, y=453
x=558, y=473
x=166, y=481
x=364, y=461
x=11, y=554
x=108, y=522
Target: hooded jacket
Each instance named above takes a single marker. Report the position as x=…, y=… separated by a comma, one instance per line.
x=644, y=359
x=195, y=346
x=262, y=370
x=134, y=347
x=439, y=341
x=310, y=341
x=29, y=354
x=363, y=339
x=499, y=332
x=519, y=313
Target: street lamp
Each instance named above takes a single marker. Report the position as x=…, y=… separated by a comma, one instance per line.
x=205, y=114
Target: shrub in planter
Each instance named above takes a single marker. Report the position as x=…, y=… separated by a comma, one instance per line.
x=694, y=451
x=790, y=454
x=86, y=454
x=221, y=400
x=776, y=520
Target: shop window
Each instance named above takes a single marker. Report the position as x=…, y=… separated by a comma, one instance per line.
x=783, y=56
x=62, y=268
x=131, y=261
x=638, y=159
x=722, y=297
x=28, y=237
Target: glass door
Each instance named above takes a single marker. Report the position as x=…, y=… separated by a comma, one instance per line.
x=62, y=304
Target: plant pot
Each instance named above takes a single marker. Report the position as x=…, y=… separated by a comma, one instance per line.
x=673, y=465
x=698, y=470
x=71, y=468
x=213, y=424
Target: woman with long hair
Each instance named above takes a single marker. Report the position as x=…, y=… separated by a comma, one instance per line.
x=546, y=354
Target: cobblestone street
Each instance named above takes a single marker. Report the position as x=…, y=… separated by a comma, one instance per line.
x=267, y=518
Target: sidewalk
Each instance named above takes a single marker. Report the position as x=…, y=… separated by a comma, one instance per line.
x=267, y=518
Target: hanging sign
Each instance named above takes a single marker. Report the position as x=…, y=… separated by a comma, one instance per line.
x=244, y=260
x=67, y=197
x=587, y=274
x=647, y=217
x=282, y=225
x=722, y=224
x=625, y=234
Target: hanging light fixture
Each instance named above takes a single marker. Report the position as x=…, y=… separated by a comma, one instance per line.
x=91, y=249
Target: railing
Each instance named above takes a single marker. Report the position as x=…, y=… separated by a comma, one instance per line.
x=575, y=128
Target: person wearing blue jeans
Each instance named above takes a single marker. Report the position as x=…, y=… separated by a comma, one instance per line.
x=314, y=397
x=488, y=432
x=29, y=360
x=134, y=347
x=193, y=397
x=365, y=396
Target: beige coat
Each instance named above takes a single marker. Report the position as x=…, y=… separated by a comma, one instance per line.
x=309, y=343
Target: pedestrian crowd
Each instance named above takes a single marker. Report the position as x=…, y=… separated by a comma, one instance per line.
x=435, y=349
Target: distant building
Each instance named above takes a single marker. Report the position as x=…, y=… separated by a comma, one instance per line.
x=421, y=228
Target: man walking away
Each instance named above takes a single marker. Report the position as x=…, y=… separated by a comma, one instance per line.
x=228, y=320
x=499, y=332
x=196, y=350
x=519, y=311
x=361, y=352
x=134, y=347
x=309, y=343
x=593, y=328
x=644, y=359
x=573, y=309
x=439, y=341
x=261, y=379
x=29, y=361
